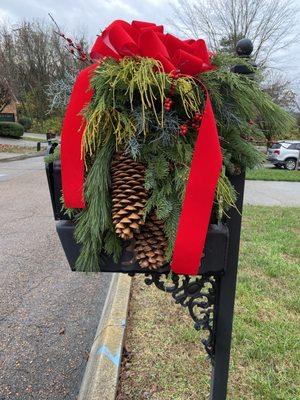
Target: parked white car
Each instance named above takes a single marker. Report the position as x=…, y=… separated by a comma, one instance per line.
x=284, y=154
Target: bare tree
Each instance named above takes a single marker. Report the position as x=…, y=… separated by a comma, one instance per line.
x=279, y=88
x=32, y=56
x=268, y=23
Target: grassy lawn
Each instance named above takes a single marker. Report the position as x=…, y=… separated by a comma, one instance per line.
x=273, y=174
x=166, y=360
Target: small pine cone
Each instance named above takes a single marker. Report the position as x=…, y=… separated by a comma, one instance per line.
x=128, y=195
x=151, y=244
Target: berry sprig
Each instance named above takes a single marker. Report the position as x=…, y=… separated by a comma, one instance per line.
x=168, y=103
x=74, y=48
x=196, y=121
x=183, y=130
x=193, y=123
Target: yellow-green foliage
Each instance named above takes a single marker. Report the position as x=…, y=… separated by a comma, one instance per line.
x=122, y=86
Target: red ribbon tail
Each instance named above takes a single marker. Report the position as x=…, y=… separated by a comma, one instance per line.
x=199, y=196
x=72, y=166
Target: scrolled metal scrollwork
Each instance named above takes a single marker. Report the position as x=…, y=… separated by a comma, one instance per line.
x=198, y=294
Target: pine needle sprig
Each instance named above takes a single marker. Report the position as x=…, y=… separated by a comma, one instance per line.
x=94, y=222
x=225, y=196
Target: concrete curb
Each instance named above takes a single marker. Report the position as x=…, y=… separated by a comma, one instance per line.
x=102, y=371
x=23, y=156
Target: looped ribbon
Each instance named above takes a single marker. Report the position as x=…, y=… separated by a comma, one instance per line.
x=188, y=57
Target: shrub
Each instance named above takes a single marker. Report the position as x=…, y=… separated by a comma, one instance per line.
x=11, y=129
x=26, y=122
x=51, y=124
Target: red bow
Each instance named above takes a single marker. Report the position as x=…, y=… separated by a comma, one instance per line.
x=145, y=39
x=188, y=57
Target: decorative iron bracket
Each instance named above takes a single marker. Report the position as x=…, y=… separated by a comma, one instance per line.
x=198, y=294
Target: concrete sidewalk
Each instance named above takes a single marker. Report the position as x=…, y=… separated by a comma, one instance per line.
x=272, y=193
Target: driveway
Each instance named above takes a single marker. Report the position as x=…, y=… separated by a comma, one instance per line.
x=48, y=315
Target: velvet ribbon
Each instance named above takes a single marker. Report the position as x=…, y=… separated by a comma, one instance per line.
x=188, y=57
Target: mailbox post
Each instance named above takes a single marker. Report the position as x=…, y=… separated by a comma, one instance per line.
x=217, y=301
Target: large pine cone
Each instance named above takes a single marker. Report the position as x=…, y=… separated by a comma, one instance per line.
x=128, y=195
x=151, y=244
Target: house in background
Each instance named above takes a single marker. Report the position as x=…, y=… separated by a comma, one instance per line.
x=9, y=112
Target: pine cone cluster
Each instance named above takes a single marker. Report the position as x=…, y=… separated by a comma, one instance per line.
x=151, y=244
x=128, y=195
x=129, y=198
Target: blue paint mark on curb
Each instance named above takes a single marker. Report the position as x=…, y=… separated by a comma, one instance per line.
x=115, y=359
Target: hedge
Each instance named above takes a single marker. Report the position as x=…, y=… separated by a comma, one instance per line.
x=26, y=122
x=11, y=129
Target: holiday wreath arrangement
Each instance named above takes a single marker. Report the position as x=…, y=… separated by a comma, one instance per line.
x=153, y=129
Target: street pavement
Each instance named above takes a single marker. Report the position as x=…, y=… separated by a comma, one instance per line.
x=48, y=314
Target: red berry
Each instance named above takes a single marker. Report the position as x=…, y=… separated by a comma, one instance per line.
x=168, y=103
x=197, y=117
x=183, y=129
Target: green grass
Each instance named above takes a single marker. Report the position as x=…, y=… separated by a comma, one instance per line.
x=167, y=360
x=273, y=174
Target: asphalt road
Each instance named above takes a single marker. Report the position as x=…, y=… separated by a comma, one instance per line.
x=48, y=315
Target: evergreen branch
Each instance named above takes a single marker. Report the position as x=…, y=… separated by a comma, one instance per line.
x=94, y=221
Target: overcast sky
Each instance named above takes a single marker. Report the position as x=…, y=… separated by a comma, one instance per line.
x=94, y=15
